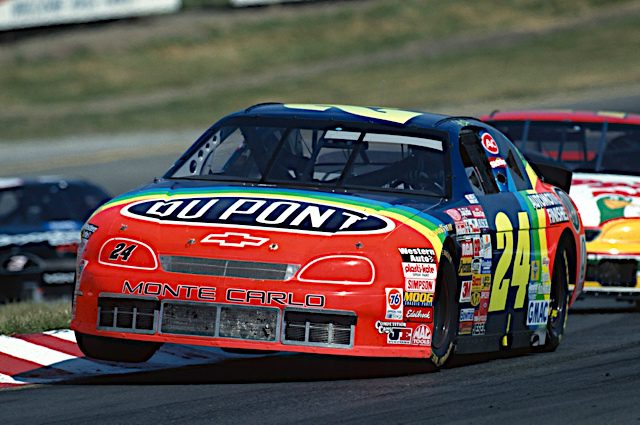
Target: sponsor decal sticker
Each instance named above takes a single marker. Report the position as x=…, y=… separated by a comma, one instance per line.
x=418, y=314
x=471, y=198
x=420, y=285
x=489, y=144
x=478, y=329
x=417, y=255
x=465, y=291
x=497, y=162
x=399, y=336
x=260, y=213
x=421, y=336
x=557, y=215
x=465, y=328
x=466, y=314
x=387, y=327
x=538, y=312
x=419, y=270
x=394, y=304
x=418, y=299
x=544, y=200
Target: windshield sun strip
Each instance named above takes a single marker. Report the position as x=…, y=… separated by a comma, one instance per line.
x=404, y=140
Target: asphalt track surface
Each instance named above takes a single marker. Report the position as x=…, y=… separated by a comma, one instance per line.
x=594, y=376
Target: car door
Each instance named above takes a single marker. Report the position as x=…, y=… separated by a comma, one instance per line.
x=501, y=187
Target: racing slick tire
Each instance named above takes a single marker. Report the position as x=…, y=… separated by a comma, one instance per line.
x=116, y=350
x=445, y=311
x=559, y=301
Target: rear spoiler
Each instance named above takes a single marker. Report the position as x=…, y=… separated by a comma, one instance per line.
x=549, y=170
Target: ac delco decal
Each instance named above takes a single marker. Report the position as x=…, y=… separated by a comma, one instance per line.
x=261, y=213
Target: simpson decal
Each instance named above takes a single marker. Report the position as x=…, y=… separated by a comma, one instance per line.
x=394, y=304
x=259, y=213
x=420, y=285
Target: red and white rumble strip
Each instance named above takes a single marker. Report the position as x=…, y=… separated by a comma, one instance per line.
x=54, y=356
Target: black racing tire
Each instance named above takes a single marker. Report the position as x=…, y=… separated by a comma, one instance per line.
x=116, y=350
x=559, y=300
x=445, y=311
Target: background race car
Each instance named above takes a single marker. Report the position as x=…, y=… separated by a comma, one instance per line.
x=337, y=230
x=40, y=221
x=602, y=149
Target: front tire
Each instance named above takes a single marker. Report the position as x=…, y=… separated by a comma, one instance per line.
x=116, y=350
x=445, y=311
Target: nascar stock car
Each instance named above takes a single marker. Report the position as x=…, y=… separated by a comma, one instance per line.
x=40, y=221
x=602, y=149
x=335, y=230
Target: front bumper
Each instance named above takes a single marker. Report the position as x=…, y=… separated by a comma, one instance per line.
x=612, y=275
x=254, y=315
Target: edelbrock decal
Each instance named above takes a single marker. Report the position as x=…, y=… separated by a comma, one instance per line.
x=260, y=213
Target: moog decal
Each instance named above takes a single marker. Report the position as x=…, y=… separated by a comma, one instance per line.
x=260, y=213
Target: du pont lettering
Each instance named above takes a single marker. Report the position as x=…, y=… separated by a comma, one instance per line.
x=206, y=293
x=255, y=212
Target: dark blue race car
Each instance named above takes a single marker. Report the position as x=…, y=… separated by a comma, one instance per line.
x=40, y=221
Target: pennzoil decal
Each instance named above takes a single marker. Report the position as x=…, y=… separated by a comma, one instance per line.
x=258, y=212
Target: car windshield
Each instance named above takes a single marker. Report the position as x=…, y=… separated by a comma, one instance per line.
x=325, y=157
x=590, y=147
x=33, y=204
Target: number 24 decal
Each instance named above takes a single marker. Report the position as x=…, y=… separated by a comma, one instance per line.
x=122, y=252
x=521, y=262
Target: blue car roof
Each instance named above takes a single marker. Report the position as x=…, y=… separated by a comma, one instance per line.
x=358, y=114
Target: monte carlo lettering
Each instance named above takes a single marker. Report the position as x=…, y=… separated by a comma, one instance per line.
x=205, y=293
x=277, y=214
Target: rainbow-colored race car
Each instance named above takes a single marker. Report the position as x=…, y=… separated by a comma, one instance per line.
x=336, y=230
x=602, y=149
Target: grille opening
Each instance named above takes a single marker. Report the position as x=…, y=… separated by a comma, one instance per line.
x=189, y=319
x=258, y=324
x=613, y=273
x=315, y=328
x=220, y=321
x=228, y=268
x=131, y=314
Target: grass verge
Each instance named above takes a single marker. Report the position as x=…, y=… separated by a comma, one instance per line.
x=372, y=52
x=30, y=317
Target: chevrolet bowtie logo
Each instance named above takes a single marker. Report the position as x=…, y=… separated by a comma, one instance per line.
x=239, y=240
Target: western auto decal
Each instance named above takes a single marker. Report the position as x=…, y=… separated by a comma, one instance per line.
x=256, y=212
